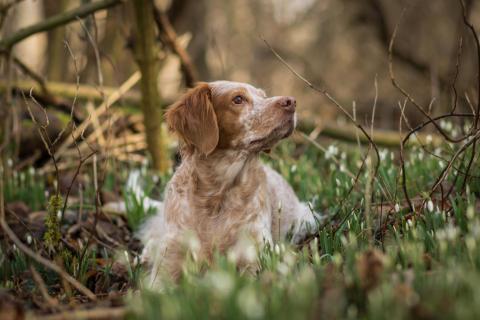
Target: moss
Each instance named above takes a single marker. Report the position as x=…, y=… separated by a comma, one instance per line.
x=52, y=234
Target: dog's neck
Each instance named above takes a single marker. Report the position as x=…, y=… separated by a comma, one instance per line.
x=212, y=177
x=223, y=168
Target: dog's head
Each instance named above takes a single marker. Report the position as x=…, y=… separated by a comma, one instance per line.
x=231, y=115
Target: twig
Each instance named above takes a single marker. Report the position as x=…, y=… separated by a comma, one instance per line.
x=169, y=38
x=126, y=86
x=98, y=313
x=57, y=20
x=52, y=302
x=46, y=263
x=407, y=95
x=331, y=99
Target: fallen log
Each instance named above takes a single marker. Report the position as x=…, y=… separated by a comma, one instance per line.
x=383, y=138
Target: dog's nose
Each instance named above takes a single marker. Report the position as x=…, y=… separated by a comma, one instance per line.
x=288, y=103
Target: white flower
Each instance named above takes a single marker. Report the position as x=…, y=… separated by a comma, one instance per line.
x=470, y=212
x=441, y=164
x=397, y=208
x=429, y=139
x=383, y=154
x=430, y=206
x=135, y=261
x=470, y=243
x=277, y=249
x=221, y=282
x=249, y=303
x=450, y=232
x=59, y=214
x=338, y=182
x=283, y=268
x=293, y=168
x=331, y=151
x=29, y=239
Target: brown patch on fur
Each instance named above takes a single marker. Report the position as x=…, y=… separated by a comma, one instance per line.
x=194, y=120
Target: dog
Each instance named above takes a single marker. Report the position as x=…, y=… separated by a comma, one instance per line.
x=222, y=193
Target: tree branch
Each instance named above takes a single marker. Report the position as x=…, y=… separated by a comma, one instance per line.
x=57, y=20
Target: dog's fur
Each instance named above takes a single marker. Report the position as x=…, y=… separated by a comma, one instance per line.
x=222, y=192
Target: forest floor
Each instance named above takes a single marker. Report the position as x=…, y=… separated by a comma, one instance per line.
x=374, y=258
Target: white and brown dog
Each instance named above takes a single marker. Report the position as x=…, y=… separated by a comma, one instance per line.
x=222, y=192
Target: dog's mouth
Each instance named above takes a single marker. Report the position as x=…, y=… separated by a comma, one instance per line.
x=278, y=133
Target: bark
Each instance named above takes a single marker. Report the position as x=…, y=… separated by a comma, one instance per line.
x=146, y=54
x=56, y=55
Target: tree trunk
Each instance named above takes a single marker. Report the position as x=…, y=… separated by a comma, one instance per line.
x=146, y=54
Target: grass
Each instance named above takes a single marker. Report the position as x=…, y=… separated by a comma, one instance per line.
x=422, y=266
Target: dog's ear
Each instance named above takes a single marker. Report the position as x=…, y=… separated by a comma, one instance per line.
x=194, y=120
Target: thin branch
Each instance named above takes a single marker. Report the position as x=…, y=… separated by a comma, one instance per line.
x=56, y=21
x=331, y=99
x=41, y=260
x=169, y=38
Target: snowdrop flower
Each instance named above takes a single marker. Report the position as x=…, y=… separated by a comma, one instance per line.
x=331, y=152
x=445, y=125
x=293, y=168
x=343, y=155
x=221, y=282
x=10, y=162
x=283, y=268
x=397, y=208
x=430, y=206
x=290, y=258
x=383, y=154
x=342, y=168
x=277, y=249
x=29, y=239
x=343, y=240
x=337, y=181
x=59, y=214
x=409, y=224
x=450, y=232
x=249, y=303
x=135, y=261
x=454, y=133
x=470, y=243
x=470, y=212
x=429, y=139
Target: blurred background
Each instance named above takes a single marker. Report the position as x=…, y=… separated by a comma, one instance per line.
x=339, y=45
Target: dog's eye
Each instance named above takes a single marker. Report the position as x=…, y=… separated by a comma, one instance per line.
x=238, y=100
